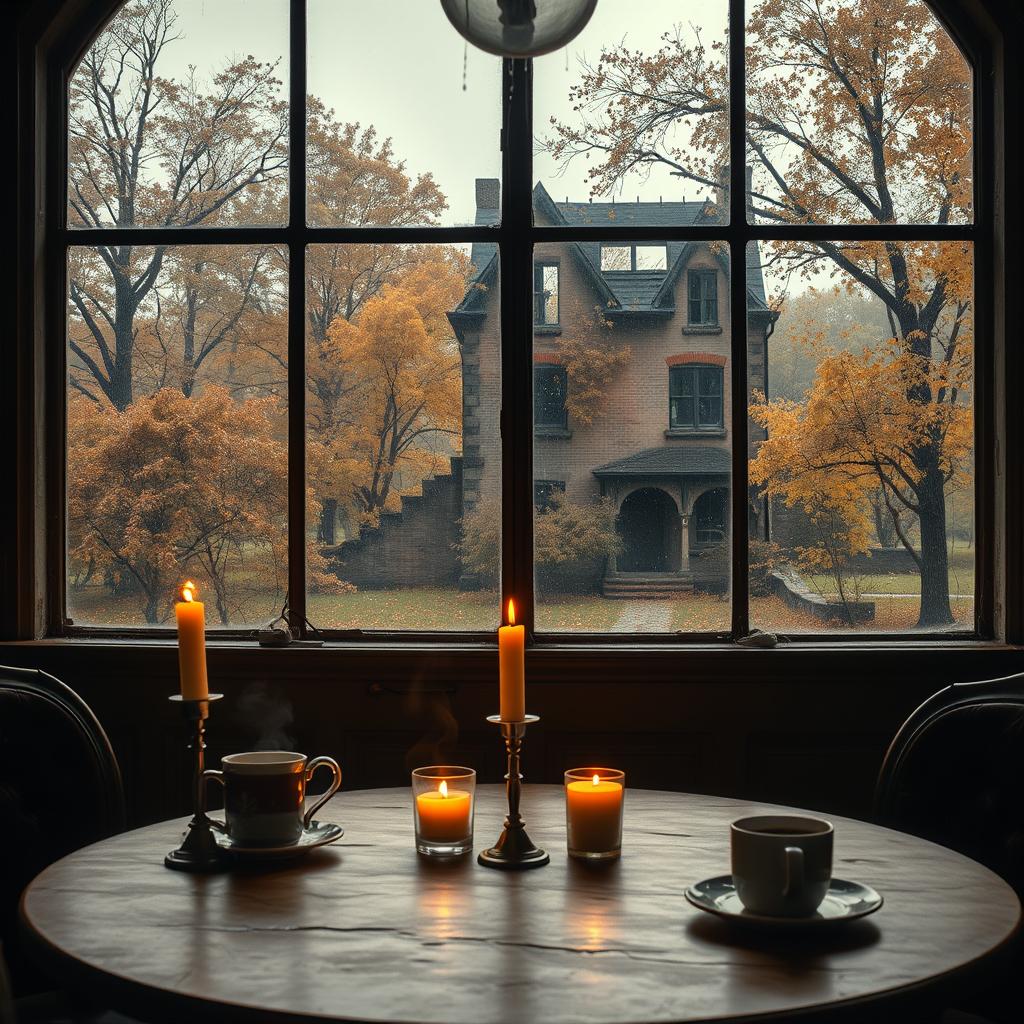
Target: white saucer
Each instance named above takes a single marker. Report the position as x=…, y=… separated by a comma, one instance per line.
x=844, y=901
x=319, y=833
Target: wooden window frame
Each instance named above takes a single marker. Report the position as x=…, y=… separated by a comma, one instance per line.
x=51, y=36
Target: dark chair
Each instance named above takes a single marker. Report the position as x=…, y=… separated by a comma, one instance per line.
x=955, y=774
x=60, y=789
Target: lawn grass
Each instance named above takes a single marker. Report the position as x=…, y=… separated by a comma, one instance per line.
x=449, y=609
x=961, y=579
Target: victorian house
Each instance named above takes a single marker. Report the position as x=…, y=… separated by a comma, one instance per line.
x=660, y=447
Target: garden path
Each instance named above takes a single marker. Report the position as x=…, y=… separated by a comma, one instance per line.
x=644, y=617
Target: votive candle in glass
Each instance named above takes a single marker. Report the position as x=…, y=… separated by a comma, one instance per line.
x=442, y=805
x=593, y=812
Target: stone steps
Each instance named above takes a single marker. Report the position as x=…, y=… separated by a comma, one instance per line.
x=646, y=586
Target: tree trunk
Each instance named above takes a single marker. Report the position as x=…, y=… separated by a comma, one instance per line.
x=328, y=521
x=935, y=610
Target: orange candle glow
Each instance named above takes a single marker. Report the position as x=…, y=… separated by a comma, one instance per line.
x=512, y=668
x=191, y=618
x=594, y=815
x=444, y=814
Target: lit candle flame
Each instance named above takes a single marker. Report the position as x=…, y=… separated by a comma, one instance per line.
x=597, y=780
x=443, y=789
x=187, y=591
x=511, y=612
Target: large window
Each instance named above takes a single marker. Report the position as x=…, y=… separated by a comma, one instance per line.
x=302, y=365
x=695, y=397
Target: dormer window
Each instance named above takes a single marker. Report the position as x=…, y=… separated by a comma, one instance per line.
x=702, y=307
x=634, y=257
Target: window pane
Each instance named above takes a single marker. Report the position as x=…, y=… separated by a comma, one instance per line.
x=178, y=117
x=650, y=257
x=710, y=380
x=403, y=447
x=863, y=454
x=632, y=119
x=616, y=257
x=546, y=294
x=177, y=457
x=637, y=539
x=862, y=110
x=394, y=121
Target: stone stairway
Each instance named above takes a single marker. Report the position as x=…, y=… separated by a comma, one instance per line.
x=412, y=547
x=631, y=586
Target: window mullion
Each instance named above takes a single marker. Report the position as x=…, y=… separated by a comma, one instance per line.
x=516, y=249
x=738, y=320
x=297, y=321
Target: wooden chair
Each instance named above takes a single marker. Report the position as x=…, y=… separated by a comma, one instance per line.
x=954, y=773
x=60, y=789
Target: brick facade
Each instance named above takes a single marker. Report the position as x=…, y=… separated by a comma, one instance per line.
x=635, y=410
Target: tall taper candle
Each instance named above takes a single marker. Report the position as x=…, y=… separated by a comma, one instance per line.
x=191, y=643
x=512, y=668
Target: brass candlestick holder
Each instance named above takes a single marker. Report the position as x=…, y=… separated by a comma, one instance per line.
x=514, y=850
x=199, y=851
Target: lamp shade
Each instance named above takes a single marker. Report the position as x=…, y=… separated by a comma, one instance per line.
x=519, y=28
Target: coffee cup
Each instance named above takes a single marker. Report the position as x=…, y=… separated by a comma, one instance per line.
x=781, y=863
x=265, y=794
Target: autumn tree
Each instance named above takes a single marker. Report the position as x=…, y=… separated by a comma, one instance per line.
x=354, y=179
x=593, y=358
x=173, y=486
x=402, y=362
x=144, y=149
x=859, y=112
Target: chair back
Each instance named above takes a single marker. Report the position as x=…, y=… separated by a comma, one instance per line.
x=955, y=774
x=60, y=789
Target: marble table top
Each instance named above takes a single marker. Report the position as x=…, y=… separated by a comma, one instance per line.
x=366, y=930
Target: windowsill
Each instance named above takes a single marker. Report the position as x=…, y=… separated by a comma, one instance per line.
x=703, y=329
x=547, y=330
x=692, y=432
x=559, y=433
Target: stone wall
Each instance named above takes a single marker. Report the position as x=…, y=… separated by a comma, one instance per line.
x=414, y=547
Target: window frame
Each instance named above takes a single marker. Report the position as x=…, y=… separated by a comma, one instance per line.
x=632, y=268
x=553, y=370
x=541, y=266
x=54, y=35
x=694, y=369
x=706, y=279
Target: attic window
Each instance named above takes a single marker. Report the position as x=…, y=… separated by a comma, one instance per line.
x=651, y=257
x=616, y=257
x=633, y=257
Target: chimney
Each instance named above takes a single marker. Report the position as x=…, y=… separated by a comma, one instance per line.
x=488, y=194
x=722, y=190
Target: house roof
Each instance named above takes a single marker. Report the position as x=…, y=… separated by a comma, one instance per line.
x=670, y=460
x=622, y=292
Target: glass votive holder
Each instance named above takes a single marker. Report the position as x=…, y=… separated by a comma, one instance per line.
x=442, y=807
x=593, y=812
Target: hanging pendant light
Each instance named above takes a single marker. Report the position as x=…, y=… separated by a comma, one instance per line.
x=519, y=28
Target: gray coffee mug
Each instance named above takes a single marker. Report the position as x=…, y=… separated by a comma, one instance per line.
x=781, y=863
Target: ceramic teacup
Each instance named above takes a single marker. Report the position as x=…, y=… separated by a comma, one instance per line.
x=781, y=863
x=265, y=793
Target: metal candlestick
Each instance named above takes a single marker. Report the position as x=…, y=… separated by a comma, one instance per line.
x=514, y=849
x=199, y=850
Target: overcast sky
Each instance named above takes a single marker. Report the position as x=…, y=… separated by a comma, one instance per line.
x=398, y=65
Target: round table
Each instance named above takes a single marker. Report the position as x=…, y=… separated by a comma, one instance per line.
x=366, y=930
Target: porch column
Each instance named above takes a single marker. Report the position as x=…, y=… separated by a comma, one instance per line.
x=684, y=543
